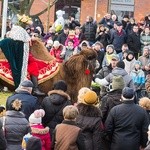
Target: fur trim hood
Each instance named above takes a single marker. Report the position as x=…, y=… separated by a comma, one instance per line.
x=59, y=92
x=89, y=110
x=39, y=131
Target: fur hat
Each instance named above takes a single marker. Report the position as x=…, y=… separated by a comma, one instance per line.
x=117, y=82
x=60, y=85
x=36, y=117
x=145, y=103
x=81, y=93
x=90, y=98
x=34, y=143
x=128, y=93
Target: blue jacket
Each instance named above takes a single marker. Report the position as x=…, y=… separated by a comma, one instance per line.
x=138, y=78
x=29, y=102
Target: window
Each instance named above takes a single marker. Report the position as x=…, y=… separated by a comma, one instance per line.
x=122, y=8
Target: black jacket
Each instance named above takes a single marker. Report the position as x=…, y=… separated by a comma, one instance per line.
x=89, y=120
x=133, y=41
x=62, y=38
x=110, y=100
x=89, y=30
x=53, y=106
x=127, y=126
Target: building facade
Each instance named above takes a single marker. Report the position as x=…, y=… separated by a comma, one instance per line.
x=95, y=8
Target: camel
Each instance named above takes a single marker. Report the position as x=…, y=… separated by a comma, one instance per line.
x=77, y=71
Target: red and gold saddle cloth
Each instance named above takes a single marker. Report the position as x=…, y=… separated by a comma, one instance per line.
x=47, y=70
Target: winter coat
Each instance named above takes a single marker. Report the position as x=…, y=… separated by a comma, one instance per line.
x=119, y=71
x=89, y=120
x=73, y=24
x=129, y=65
x=68, y=136
x=100, y=57
x=103, y=38
x=2, y=138
x=89, y=30
x=107, y=59
x=53, y=105
x=75, y=42
x=133, y=42
x=68, y=52
x=16, y=126
x=106, y=22
x=127, y=126
x=144, y=38
x=62, y=38
x=138, y=78
x=102, y=74
x=57, y=53
x=45, y=138
x=110, y=100
x=29, y=102
x=118, y=39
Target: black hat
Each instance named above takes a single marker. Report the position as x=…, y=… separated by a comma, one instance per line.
x=27, y=83
x=119, y=23
x=128, y=93
x=60, y=85
x=120, y=64
x=34, y=143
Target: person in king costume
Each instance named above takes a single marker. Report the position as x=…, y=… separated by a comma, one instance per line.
x=16, y=51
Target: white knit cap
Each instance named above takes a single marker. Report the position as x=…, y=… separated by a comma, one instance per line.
x=36, y=117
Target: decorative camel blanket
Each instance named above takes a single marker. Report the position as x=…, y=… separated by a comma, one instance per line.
x=47, y=70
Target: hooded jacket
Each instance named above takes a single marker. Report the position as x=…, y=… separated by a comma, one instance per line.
x=53, y=105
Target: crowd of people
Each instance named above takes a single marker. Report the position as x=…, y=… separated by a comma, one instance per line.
x=115, y=118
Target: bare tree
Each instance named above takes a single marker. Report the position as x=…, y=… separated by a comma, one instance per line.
x=24, y=7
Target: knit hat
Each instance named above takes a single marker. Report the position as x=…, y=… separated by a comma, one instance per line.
x=60, y=85
x=27, y=83
x=90, y=98
x=117, y=82
x=36, y=117
x=128, y=93
x=112, y=46
x=81, y=93
x=56, y=44
x=50, y=42
x=138, y=62
x=34, y=143
x=120, y=64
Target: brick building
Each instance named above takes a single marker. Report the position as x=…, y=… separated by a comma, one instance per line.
x=96, y=8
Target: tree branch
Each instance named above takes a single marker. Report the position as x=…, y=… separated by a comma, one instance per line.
x=13, y=9
x=43, y=11
x=27, y=11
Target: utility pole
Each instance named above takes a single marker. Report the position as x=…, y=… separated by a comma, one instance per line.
x=4, y=18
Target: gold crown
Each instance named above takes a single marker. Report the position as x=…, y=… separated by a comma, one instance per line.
x=24, y=19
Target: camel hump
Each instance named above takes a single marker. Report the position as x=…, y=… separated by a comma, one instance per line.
x=39, y=51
